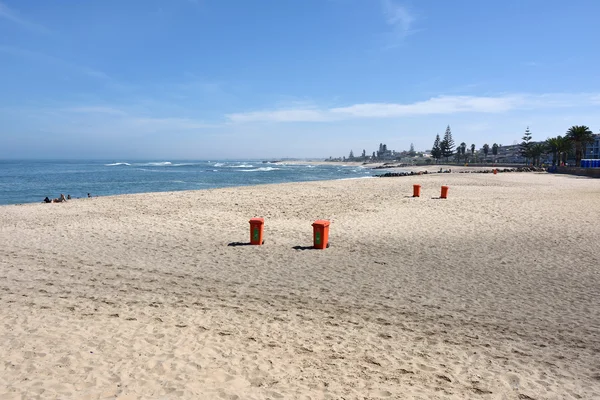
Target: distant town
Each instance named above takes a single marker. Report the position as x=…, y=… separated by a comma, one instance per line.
x=577, y=144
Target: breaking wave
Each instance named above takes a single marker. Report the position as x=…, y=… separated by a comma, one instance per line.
x=262, y=169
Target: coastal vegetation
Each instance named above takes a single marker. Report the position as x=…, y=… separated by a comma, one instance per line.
x=558, y=150
x=579, y=136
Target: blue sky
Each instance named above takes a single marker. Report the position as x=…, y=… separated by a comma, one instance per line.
x=167, y=79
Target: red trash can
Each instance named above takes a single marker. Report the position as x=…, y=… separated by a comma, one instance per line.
x=256, y=231
x=320, y=234
x=416, y=190
x=444, y=194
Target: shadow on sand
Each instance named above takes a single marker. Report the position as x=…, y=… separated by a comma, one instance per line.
x=307, y=247
x=235, y=244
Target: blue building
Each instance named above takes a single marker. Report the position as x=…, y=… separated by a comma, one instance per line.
x=592, y=151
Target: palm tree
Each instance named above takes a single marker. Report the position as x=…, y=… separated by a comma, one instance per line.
x=552, y=144
x=495, y=150
x=564, y=148
x=536, y=150
x=558, y=146
x=458, y=154
x=580, y=136
x=486, y=149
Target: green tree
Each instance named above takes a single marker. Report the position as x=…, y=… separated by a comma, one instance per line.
x=351, y=156
x=558, y=146
x=412, y=151
x=473, y=149
x=486, y=150
x=580, y=136
x=463, y=150
x=436, y=150
x=536, y=150
x=495, y=150
x=564, y=148
x=526, y=145
x=447, y=144
x=458, y=154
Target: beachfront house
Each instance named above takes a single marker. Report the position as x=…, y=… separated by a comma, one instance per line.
x=592, y=151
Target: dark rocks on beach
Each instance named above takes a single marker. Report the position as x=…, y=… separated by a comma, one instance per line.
x=389, y=165
x=500, y=170
x=393, y=174
x=483, y=171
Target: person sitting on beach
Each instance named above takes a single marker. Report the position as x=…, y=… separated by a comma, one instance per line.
x=47, y=200
x=68, y=197
x=61, y=199
x=89, y=195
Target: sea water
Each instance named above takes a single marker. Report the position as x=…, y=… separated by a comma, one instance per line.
x=31, y=181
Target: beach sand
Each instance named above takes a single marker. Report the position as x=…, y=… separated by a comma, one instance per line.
x=490, y=294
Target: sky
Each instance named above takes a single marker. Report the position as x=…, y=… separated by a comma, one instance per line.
x=245, y=79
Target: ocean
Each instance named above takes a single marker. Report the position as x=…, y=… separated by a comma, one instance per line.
x=31, y=181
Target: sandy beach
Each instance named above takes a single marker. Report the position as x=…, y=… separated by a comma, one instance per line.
x=490, y=294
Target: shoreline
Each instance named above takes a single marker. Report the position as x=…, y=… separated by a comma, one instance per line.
x=385, y=173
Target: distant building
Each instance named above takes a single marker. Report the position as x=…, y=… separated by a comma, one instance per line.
x=592, y=151
x=508, y=154
x=384, y=153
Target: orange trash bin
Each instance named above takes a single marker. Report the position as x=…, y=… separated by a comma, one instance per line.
x=256, y=231
x=495, y=171
x=320, y=234
x=444, y=194
x=416, y=190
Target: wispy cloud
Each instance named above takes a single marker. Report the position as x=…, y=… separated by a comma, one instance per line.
x=292, y=115
x=170, y=124
x=41, y=57
x=436, y=105
x=95, y=110
x=11, y=15
x=441, y=105
x=400, y=19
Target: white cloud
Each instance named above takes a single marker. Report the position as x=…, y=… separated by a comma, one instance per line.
x=400, y=20
x=278, y=116
x=441, y=105
x=10, y=15
x=436, y=105
x=169, y=124
x=398, y=17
